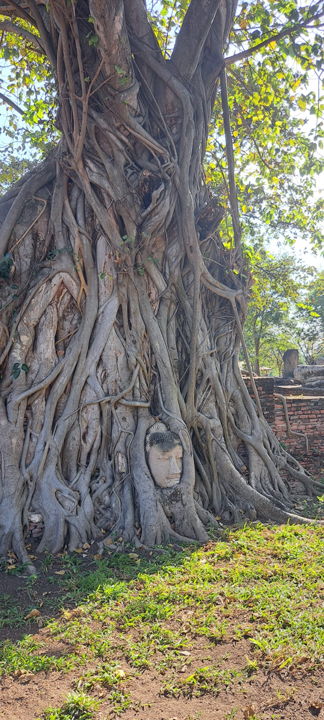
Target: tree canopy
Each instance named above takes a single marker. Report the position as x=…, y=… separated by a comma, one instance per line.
x=283, y=311
x=275, y=90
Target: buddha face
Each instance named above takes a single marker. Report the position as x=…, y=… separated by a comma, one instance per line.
x=165, y=453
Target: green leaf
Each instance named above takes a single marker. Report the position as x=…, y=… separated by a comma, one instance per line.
x=94, y=40
x=16, y=370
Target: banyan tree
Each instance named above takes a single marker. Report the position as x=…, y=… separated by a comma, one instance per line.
x=123, y=408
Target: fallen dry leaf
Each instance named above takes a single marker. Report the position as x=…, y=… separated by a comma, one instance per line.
x=33, y=614
x=86, y=546
x=97, y=557
x=249, y=711
x=22, y=673
x=78, y=550
x=25, y=677
x=59, y=572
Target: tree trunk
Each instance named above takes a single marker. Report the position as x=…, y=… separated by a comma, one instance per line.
x=257, y=353
x=123, y=409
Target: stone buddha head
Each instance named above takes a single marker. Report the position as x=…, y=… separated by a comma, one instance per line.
x=164, y=453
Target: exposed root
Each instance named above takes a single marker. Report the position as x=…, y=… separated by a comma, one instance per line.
x=290, y=432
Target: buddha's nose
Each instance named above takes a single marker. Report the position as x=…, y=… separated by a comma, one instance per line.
x=173, y=467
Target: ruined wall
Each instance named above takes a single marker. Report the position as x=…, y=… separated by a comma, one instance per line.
x=305, y=410
x=306, y=415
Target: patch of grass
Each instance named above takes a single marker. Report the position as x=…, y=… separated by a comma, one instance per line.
x=77, y=706
x=203, y=680
x=260, y=583
x=108, y=675
x=111, y=677
x=11, y=614
x=28, y=656
x=252, y=667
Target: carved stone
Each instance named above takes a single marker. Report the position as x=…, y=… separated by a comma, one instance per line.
x=309, y=374
x=164, y=455
x=290, y=359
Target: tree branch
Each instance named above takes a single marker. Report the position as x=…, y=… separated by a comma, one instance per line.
x=136, y=18
x=142, y=32
x=274, y=38
x=10, y=102
x=230, y=162
x=110, y=26
x=193, y=34
x=18, y=11
x=46, y=40
x=10, y=27
x=27, y=191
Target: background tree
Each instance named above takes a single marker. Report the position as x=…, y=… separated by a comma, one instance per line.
x=308, y=326
x=276, y=103
x=121, y=304
x=279, y=308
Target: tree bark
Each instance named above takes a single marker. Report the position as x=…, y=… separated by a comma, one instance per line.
x=257, y=353
x=128, y=310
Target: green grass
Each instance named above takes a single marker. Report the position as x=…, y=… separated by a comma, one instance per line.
x=77, y=706
x=11, y=614
x=259, y=583
x=30, y=656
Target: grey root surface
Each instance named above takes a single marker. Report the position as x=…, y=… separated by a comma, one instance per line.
x=129, y=310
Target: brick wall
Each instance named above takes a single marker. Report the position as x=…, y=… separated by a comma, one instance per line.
x=306, y=414
x=265, y=388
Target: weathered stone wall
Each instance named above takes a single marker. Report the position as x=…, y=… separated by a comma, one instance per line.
x=305, y=410
x=266, y=388
x=306, y=415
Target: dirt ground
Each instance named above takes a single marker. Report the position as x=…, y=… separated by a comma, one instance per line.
x=266, y=695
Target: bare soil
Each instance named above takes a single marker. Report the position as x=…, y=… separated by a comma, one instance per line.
x=267, y=695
